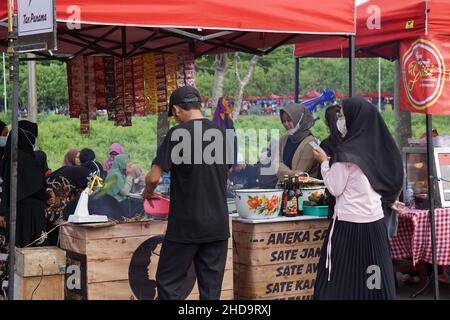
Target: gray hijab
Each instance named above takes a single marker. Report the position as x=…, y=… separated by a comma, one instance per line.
x=302, y=119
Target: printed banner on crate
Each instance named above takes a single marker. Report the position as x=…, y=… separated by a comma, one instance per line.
x=425, y=78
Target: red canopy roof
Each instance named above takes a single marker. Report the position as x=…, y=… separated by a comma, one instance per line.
x=381, y=24
x=202, y=27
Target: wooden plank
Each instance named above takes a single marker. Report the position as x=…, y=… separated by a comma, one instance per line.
x=107, y=270
x=101, y=270
x=227, y=283
x=120, y=230
x=112, y=290
x=225, y=295
x=115, y=248
x=305, y=296
x=38, y=261
x=287, y=255
x=260, y=290
x=282, y=239
x=73, y=244
x=39, y=288
x=277, y=272
x=279, y=226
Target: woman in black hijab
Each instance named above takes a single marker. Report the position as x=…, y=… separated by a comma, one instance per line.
x=365, y=176
x=3, y=138
x=330, y=144
x=31, y=193
x=88, y=160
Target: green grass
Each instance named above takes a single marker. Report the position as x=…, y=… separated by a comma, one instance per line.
x=58, y=134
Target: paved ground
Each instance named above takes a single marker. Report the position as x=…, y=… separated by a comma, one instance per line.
x=405, y=291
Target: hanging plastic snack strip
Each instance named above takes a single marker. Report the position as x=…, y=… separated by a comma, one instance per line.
x=84, y=110
x=128, y=91
x=74, y=113
x=150, y=83
x=100, y=85
x=120, y=92
x=189, y=70
x=180, y=71
x=160, y=79
x=139, y=94
x=171, y=73
x=77, y=72
x=110, y=87
x=91, y=95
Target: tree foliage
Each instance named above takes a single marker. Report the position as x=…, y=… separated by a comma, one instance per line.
x=274, y=73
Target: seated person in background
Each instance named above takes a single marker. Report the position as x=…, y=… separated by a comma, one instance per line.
x=242, y=175
x=296, y=155
x=118, y=184
x=66, y=184
x=88, y=161
x=138, y=179
x=263, y=180
x=72, y=158
x=114, y=150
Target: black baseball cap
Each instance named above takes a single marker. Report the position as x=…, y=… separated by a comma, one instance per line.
x=183, y=96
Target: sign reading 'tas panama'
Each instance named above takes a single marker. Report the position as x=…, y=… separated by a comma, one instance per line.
x=35, y=17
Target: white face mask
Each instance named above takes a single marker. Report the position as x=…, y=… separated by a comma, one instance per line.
x=294, y=130
x=341, y=126
x=3, y=141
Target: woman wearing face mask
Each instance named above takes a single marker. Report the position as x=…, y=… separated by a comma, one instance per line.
x=31, y=192
x=330, y=144
x=365, y=176
x=296, y=155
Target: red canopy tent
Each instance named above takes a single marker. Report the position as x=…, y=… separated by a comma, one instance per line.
x=201, y=27
x=417, y=33
x=380, y=25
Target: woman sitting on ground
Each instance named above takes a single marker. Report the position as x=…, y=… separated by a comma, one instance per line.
x=119, y=182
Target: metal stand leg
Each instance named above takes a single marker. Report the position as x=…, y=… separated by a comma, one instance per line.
x=421, y=291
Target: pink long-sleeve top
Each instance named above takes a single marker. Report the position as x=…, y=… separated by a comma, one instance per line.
x=356, y=201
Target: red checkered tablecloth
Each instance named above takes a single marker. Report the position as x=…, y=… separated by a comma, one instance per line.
x=413, y=237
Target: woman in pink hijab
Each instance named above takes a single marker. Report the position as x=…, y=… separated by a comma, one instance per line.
x=113, y=151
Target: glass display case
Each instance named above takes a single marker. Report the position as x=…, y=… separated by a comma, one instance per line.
x=442, y=160
x=416, y=175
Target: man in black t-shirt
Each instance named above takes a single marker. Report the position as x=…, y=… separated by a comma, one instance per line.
x=198, y=229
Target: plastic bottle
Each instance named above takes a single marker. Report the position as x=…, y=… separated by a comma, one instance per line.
x=409, y=196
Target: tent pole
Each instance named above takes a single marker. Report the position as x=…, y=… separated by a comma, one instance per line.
x=351, y=66
x=14, y=74
x=5, y=98
x=379, y=84
x=297, y=79
x=431, y=177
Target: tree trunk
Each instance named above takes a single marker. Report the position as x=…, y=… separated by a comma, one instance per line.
x=402, y=118
x=32, y=96
x=162, y=127
x=219, y=78
x=242, y=83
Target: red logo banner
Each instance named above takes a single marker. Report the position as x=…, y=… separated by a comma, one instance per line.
x=424, y=76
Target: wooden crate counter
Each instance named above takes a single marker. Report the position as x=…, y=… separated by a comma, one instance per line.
x=119, y=261
x=277, y=258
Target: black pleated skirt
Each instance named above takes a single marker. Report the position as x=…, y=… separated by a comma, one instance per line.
x=361, y=264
